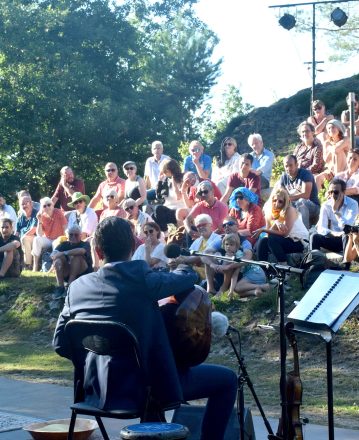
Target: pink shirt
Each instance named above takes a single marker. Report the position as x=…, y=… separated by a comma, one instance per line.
x=118, y=185
x=217, y=212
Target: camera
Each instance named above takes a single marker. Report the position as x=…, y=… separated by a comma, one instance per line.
x=162, y=190
x=348, y=229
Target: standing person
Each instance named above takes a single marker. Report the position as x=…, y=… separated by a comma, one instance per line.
x=227, y=164
x=51, y=225
x=245, y=177
x=135, y=187
x=26, y=228
x=132, y=291
x=113, y=181
x=10, y=250
x=351, y=175
x=262, y=159
x=7, y=211
x=152, y=168
x=319, y=120
x=337, y=211
x=302, y=190
x=66, y=187
x=309, y=152
x=197, y=161
x=345, y=116
x=71, y=258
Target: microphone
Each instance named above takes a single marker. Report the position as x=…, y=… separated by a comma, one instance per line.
x=172, y=250
x=220, y=325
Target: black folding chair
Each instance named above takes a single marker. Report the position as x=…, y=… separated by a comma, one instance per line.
x=104, y=338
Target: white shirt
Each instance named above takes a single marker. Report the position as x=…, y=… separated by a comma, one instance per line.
x=152, y=169
x=87, y=220
x=9, y=212
x=157, y=252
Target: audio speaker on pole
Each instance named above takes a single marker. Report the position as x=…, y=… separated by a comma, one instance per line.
x=191, y=416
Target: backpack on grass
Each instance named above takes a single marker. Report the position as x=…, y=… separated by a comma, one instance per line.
x=314, y=263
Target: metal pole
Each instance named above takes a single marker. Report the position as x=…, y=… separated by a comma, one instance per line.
x=314, y=65
x=330, y=391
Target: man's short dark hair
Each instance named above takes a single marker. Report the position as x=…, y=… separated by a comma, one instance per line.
x=115, y=239
x=337, y=181
x=291, y=156
x=247, y=156
x=6, y=220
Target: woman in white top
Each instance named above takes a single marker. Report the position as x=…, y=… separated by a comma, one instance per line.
x=135, y=186
x=227, y=164
x=152, y=250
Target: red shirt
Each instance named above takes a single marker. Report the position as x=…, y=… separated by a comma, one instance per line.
x=118, y=185
x=252, y=221
x=77, y=185
x=252, y=182
x=217, y=212
x=53, y=227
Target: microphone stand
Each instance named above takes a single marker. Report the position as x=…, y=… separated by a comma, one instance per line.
x=243, y=378
x=278, y=271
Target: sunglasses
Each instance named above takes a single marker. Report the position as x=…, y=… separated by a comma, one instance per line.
x=195, y=150
x=334, y=191
x=110, y=197
x=280, y=202
x=129, y=168
x=203, y=192
x=78, y=202
x=240, y=197
x=317, y=108
x=47, y=205
x=230, y=223
x=129, y=208
x=228, y=144
x=111, y=170
x=74, y=235
x=202, y=225
x=150, y=231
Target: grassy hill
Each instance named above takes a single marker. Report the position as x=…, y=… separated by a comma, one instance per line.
x=28, y=318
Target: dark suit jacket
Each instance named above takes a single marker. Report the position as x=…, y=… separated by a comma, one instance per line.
x=126, y=292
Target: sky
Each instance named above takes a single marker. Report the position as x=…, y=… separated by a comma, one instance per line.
x=263, y=59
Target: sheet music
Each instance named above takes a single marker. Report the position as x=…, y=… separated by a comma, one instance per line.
x=328, y=298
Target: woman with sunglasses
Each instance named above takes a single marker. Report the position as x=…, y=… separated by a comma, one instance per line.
x=284, y=232
x=319, y=120
x=113, y=209
x=135, y=186
x=227, y=163
x=51, y=225
x=152, y=250
x=243, y=207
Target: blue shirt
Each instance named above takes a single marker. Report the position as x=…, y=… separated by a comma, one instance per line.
x=334, y=221
x=24, y=224
x=205, y=162
x=263, y=163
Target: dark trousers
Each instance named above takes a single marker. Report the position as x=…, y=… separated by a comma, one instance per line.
x=279, y=246
x=329, y=242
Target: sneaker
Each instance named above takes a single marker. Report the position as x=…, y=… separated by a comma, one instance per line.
x=59, y=292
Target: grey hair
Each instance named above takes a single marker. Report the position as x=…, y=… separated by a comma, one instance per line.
x=73, y=228
x=254, y=136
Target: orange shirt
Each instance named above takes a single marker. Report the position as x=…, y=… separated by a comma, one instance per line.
x=53, y=227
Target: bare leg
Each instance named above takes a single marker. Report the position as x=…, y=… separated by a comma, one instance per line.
x=226, y=282
x=36, y=263
x=6, y=262
x=78, y=266
x=210, y=278
x=246, y=288
x=234, y=280
x=61, y=269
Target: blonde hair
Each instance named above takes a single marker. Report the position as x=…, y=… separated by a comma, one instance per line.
x=232, y=238
x=277, y=192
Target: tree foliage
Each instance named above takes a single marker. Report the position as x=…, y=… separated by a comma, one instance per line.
x=87, y=81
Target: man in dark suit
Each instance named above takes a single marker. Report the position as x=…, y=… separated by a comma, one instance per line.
x=128, y=291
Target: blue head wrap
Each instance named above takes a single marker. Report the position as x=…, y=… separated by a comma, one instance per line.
x=246, y=193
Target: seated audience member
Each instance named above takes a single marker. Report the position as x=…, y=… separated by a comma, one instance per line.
x=227, y=164
x=262, y=159
x=71, y=259
x=113, y=181
x=351, y=175
x=51, y=224
x=197, y=161
x=345, y=116
x=284, y=232
x=135, y=187
x=66, y=187
x=7, y=211
x=26, y=228
x=337, y=211
x=302, y=190
x=152, y=250
x=83, y=215
x=351, y=251
x=25, y=193
x=10, y=250
x=136, y=216
x=335, y=150
x=152, y=168
x=207, y=241
x=216, y=209
x=171, y=178
x=245, y=177
x=309, y=153
x=113, y=208
x=243, y=207
x=133, y=291
x=230, y=226
x=253, y=279
x=319, y=121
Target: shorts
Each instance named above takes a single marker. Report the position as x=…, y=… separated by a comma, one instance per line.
x=255, y=275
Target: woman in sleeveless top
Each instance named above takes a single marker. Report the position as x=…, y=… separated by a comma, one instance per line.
x=284, y=232
x=135, y=187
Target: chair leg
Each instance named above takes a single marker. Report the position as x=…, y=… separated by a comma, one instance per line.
x=72, y=425
x=102, y=428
